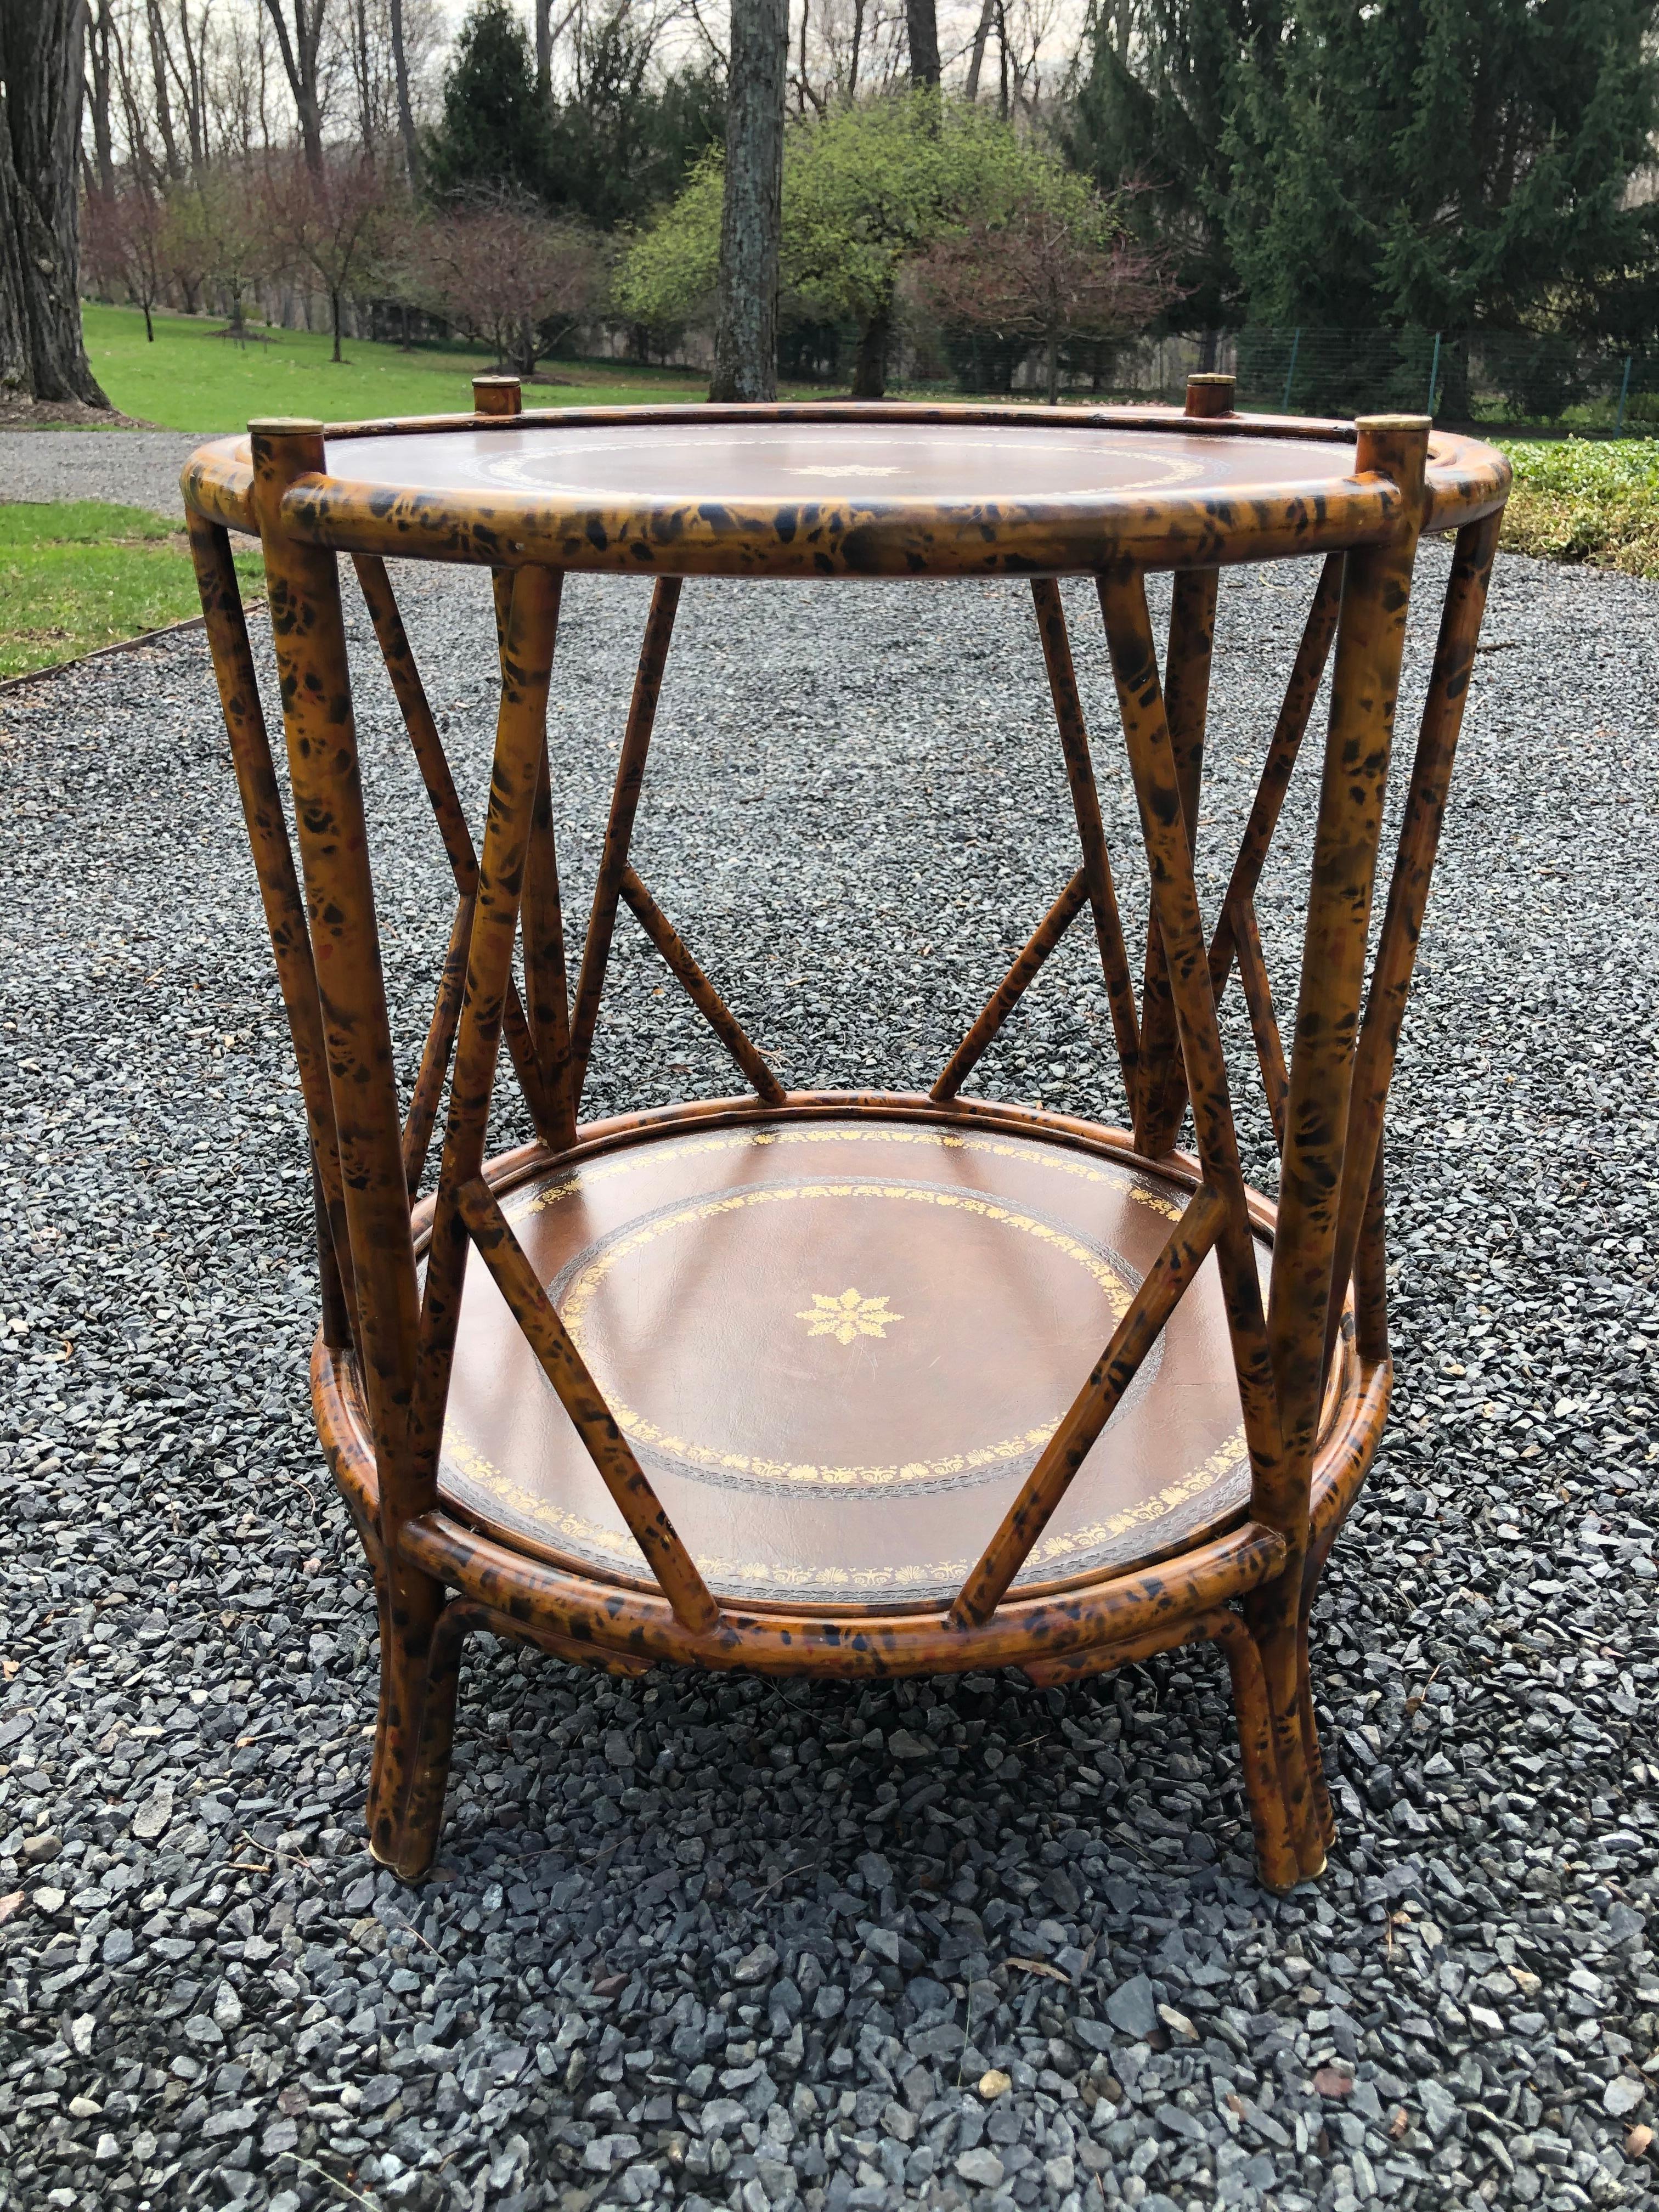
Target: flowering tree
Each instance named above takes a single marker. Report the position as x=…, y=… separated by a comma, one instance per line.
x=504, y=272
x=1053, y=263
x=872, y=190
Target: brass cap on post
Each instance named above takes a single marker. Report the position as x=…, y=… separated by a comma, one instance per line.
x=284, y=446
x=1208, y=394
x=496, y=395
x=1394, y=445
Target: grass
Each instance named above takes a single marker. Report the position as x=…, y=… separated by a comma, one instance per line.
x=75, y=574
x=1594, y=502
x=192, y=379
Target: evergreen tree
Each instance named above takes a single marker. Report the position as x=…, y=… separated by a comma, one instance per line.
x=1444, y=163
x=623, y=143
x=493, y=137
x=1150, y=120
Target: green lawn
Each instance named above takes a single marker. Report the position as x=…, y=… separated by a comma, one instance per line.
x=193, y=379
x=75, y=574
x=1584, y=500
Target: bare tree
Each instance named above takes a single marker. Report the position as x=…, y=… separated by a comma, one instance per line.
x=42, y=356
x=336, y=224
x=125, y=243
x=751, y=217
x=507, y=273
x=240, y=88
x=1057, y=265
x=301, y=48
x=187, y=58
x=223, y=221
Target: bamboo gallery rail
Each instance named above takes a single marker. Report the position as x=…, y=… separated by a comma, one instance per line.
x=732, y=1379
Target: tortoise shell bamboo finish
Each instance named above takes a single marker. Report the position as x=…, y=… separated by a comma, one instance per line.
x=827, y=1382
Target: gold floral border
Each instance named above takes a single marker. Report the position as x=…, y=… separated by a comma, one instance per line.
x=1060, y=1554
x=518, y=1205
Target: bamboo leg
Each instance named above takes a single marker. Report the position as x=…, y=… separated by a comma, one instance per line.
x=540, y=1096
x=279, y=891
x=1409, y=890
x=1279, y=1488
x=1186, y=703
x=677, y=955
x=1090, y=830
x=423, y=1673
x=1370, y=639
x=619, y=828
x=1012, y=988
x=1134, y=664
x=516, y=781
x=418, y=1666
x=1275, y=1849
x=309, y=635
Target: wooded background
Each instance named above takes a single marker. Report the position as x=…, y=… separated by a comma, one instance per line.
x=1003, y=192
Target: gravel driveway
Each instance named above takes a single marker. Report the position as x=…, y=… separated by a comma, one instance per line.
x=724, y=1942
x=133, y=468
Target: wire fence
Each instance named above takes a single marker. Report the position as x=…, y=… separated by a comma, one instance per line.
x=1489, y=376
x=1522, y=378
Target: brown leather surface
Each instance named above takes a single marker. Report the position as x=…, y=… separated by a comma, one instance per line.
x=647, y=466
x=836, y=1348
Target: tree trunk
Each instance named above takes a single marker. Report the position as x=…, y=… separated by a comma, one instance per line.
x=870, y=370
x=158, y=62
x=544, y=51
x=41, y=353
x=1054, y=368
x=977, y=62
x=858, y=43
x=406, y=111
x=100, y=33
x=300, y=66
x=752, y=219
x=921, y=31
x=334, y=311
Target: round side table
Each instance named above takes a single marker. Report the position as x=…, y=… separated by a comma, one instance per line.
x=853, y=1384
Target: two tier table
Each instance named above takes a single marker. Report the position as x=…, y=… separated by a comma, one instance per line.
x=860, y=1383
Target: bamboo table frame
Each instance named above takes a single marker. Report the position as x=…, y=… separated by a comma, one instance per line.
x=1311, y=1360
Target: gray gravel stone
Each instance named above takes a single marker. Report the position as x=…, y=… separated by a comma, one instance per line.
x=1132, y=2007
x=192, y=1635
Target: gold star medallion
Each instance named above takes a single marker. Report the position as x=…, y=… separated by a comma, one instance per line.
x=847, y=1317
